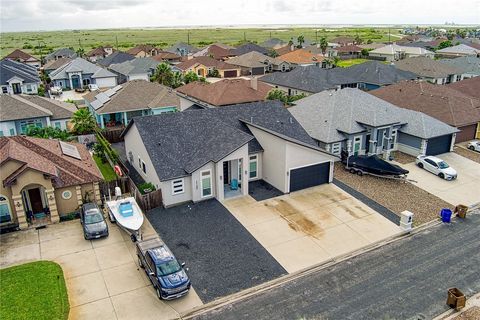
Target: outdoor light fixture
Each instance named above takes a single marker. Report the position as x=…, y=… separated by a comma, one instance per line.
x=18, y=204
x=50, y=197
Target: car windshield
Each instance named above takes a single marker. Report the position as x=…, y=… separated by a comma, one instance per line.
x=443, y=165
x=167, y=268
x=93, y=218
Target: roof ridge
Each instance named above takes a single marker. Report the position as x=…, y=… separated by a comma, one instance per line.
x=36, y=106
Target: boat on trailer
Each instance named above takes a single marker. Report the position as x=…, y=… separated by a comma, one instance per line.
x=373, y=165
x=127, y=214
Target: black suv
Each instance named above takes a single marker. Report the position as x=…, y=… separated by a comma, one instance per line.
x=93, y=222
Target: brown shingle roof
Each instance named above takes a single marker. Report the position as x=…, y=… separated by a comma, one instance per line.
x=469, y=87
x=55, y=64
x=165, y=55
x=438, y=101
x=141, y=47
x=207, y=62
x=301, y=56
x=426, y=67
x=285, y=49
x=219, y=53
x=18, y=54
x=97, y=52
x=349, y=48
x=226, y=92
x=45, y=155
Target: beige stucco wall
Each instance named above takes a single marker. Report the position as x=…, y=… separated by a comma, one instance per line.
x=241, y=153
x=30, y=177
x=196, y=183
x=259, y=166
x=170, y=199
x=65, y=206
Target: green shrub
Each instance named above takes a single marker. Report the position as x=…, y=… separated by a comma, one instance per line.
x=146, y=185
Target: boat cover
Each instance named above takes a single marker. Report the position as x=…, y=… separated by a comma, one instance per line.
x=374, y=164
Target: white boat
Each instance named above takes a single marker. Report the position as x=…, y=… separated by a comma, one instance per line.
x=127, y=214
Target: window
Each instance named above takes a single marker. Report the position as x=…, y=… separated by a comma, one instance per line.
x=1, y=133
x=253, y=167
x=144, y=167
x=206, y=183
x=12, y=131
x=26, y=123
x=139, y=162
x=4, y=89
x=178, y=186
x=29, y=88
x=336, y=147
x=67, y=194
x=58, y=125
x=5, y=213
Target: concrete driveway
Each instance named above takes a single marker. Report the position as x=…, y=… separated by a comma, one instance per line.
x=463, y=190
x=102, y=276
x=311, y=226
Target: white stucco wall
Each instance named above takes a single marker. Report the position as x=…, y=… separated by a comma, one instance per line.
x=196, y=183
x=140, y=76
x=106, y=82
x=169, y=199
x=241, y=153
x=6, y=126
x=185, y=103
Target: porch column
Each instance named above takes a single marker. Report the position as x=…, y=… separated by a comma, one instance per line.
x=52, y=205
x=386, y=154
x=20, y=211
x=349, y=147
x=71, y=83
x=96, y=193
x=423, y=147
x=78, y=192
x=102, y=122
x=452, y=144
x=125, y=119
x=81, y=80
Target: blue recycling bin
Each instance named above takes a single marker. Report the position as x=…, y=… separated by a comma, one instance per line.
x=446, y=215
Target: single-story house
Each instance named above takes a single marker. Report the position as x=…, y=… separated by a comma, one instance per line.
x=21, y=56
x=249, y=47
x=254, y=63
x=302, y=57
x=115, y=107
x=96, y=54
x=17, y=77
x=18, y=112
x=203, y=66
x=344, y=41
x=165, y=56
x=431, y=70
x=468, y=86
x=143, y=50
x=394, y=52
x=460, y=50
x=182, y=49
x=138, y=68
x=61, y=53
x=213, y=153
x=79, y=73
x=222, y=93
x=447, y=105
x=216, y=51
x=352, y=51
x=115, y=58
x=311, y=79
x=354, y=122
x=273, y=43
x=468, y=65
x=43, y=179
x=52, y=65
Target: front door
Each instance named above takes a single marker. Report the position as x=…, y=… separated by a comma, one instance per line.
x=225, y=173
x=35, y=200
x=357, y=143
x=17, y=89
x=75, y=82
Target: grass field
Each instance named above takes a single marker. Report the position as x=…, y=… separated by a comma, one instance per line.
x=33, y=291
x=350, y=62
x=128, y=38
x=105, y=169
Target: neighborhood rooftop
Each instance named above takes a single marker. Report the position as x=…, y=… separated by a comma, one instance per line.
x=80, y=65
x=426, y=67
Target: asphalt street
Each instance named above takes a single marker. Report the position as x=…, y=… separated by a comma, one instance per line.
x=406, y=279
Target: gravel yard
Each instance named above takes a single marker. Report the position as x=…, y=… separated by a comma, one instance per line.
x=402, y=158
x=471, y=314
x=395, y=195
x=469, y=154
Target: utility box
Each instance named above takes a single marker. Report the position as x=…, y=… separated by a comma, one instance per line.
x=456, y=299
x=406, y=220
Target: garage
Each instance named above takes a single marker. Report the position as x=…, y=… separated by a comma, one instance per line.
x=230, y=74
x=258, y=71
x=309, y=176
x=466, y=133
x=439, y=145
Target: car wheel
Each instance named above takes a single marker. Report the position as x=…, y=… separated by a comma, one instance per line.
x=420, y=165
x=159, y=293
x=352, y=170
x=441, y=175
x=471, y=147
x=85, y=236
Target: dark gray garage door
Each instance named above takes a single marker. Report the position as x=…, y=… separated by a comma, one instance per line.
x=258, y=71
x=310, y=176
x=439, y=145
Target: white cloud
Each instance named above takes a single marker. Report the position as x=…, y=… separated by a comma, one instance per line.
x=21, y=15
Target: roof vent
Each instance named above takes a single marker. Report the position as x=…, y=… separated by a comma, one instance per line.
x=291, y=120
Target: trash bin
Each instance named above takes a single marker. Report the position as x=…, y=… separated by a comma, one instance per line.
x=446, y=215
x=456, y=299
x=461, y=210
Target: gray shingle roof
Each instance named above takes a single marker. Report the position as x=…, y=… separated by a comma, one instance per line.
x=135, y=66
x=10, y=69
x=461, y=49
x=327, y=115
x=254, y=59
x=314, y=79
x=63, y=52
x=179, y=143
x=59, y=109
x=14, y=107
x=80, y=65
x=426, y=67
x=467, y=64
x=247, y=47
x=116, y=57
x=182, y=46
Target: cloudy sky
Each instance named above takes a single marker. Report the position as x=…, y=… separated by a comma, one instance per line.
x=27, y=15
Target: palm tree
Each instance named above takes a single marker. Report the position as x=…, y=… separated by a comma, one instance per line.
x=163, y=74
x=190, y=77
x=301, y=41
x=177, y=80
x=83, y=122
x=323, y=45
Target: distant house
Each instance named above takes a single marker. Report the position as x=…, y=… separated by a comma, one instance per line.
x=222, y=93
x=17, y=77
x=468, y=87
x=249, y=47
x=43, y=180
x=353, y=122
x=52, y=65
x=204, y=66
x=302, y=57
x=96, y=54
x=440, y=102
x=273, y=43
x=311, y=79
x=80, y=72
x=352, y=51
x=394, y=52
x=61, y=53
x=431, y=70
x=182, y=49
x=344, y=41
x=468, y=65
x=20, y=56
x=115, y=58
x=371, y=46
x=115, y=107
x=18, y=112
x=460, y=50
x=143, y=50
x=138, y=68
x=165, y=56
x=214, y=153
x=255, y=63
x=217, y=52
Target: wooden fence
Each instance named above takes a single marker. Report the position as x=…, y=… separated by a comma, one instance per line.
x=146, y=201
x=113, y=134
x=107, y=189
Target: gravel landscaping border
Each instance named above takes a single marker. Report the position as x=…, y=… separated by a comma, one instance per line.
x=402, y=158
x=394, y=195
x=261, y=190
x=469, y=154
